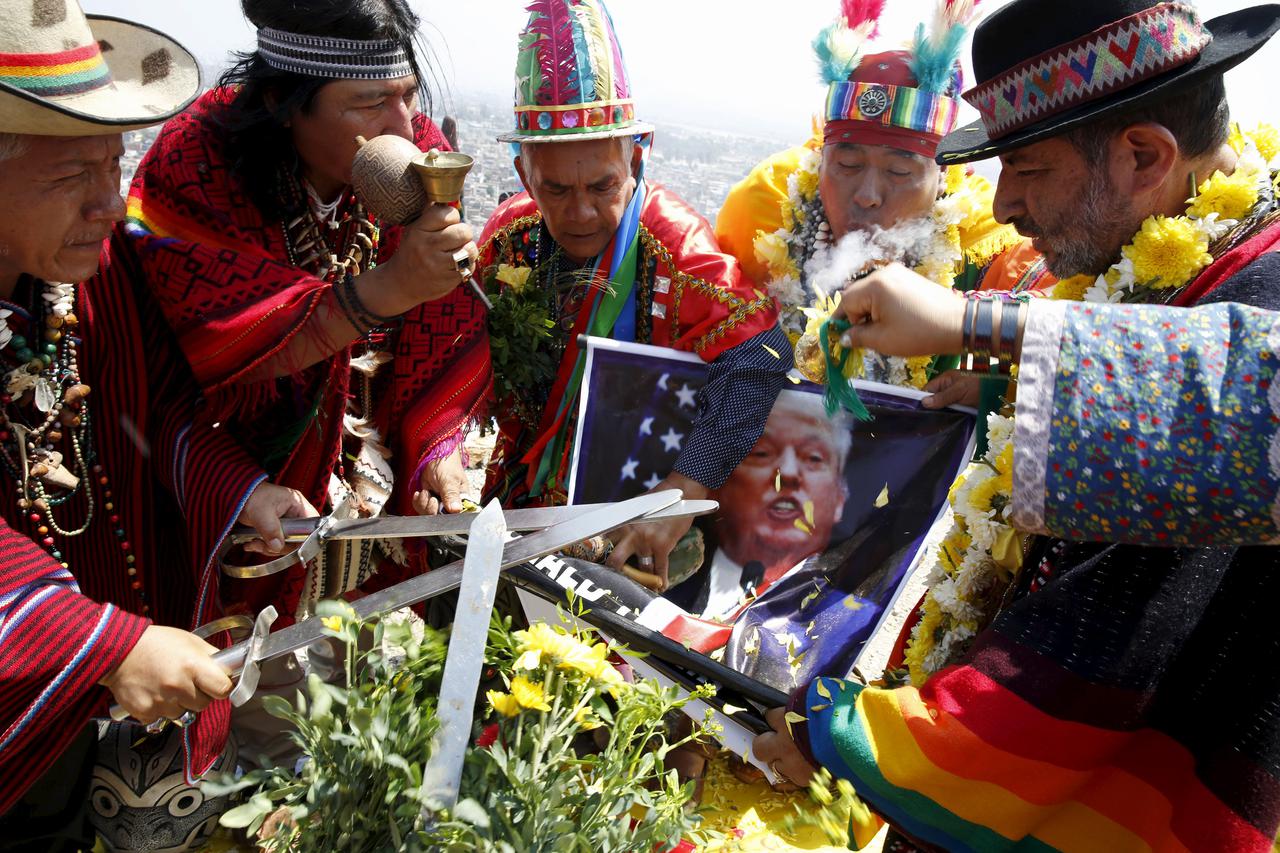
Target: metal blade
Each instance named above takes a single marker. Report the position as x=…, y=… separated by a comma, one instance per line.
x=467, y=639
x=405, y=527
x=448, y=578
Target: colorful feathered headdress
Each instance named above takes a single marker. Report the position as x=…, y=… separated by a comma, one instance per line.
x=904, y=99
x=571, y=81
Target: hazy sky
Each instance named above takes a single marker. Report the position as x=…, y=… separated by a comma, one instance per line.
x=740, y=65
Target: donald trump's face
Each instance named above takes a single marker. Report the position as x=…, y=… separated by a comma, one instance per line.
x=785, y=498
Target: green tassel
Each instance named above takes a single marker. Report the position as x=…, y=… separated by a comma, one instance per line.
x=840, y=391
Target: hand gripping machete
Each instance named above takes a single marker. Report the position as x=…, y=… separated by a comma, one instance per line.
x=236, y=659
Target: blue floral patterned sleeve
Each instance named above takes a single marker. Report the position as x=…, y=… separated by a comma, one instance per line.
x=1149, y=425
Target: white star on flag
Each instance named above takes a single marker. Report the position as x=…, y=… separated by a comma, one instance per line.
x=629, y=470
x=653, y=482
x=687, y=396
x=646, y=428
x=671, y=441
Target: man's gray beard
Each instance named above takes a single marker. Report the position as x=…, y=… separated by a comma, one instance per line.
x=1087, y=249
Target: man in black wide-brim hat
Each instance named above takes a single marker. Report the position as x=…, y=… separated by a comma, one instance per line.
x=1126, y=696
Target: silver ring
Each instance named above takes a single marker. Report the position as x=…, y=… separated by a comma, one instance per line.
x=462, y=263
x=644, y=562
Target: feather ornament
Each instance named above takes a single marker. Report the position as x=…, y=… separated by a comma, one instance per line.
x=597, y=37
x=935, y=51
x=621, y=85
x=859, y=12
x=838, y=48
x=582, y=52
x=557, y=53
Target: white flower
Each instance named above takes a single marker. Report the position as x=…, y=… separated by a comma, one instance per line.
x=788, y=290
x=1102, y=293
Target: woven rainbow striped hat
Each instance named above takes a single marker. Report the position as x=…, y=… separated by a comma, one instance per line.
x=571, y=82
x=905, y=99
x=63, y=73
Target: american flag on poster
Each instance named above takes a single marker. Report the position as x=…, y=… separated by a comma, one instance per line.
x=804, y=559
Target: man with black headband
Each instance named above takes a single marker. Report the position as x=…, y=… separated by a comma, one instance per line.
x=343, y=353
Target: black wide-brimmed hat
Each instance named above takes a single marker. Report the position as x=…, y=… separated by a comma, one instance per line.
x=1047, y=66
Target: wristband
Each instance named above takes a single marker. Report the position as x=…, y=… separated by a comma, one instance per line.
x=1009, y=313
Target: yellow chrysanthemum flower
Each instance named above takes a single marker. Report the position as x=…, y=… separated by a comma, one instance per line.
x=333, y=623
x=918, y=370
x=528, y=694
x=807, y=183
x=1229, y=196
x=772, y=251
x=1073, y=289
x=923, y=639
x=955, y=487
x=514, y=277
x=954, y=546
x=954, y=177
x=1167, y=252
x=1266, y=138
x=983, y=498
x=542, y=643
x=1004, y=462
x=586, y=720
x=504, y=703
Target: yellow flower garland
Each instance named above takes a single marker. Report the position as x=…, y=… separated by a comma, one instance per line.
x=981, y=550
x=1170, y=251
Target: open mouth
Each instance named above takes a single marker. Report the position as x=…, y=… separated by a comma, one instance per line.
x=785, y=509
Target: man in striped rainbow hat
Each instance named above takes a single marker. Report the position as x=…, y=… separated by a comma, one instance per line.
x=869, y=172
x=100, y=470
x=605, y=252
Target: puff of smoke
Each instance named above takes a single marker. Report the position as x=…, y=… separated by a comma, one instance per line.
x=858, y=252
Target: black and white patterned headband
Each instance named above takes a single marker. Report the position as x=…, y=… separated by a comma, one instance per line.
x=338, y=58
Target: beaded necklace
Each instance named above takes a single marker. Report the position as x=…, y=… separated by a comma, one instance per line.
x=44, y=413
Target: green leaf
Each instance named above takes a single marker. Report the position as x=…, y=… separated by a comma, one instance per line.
x=278, y=706
x=469, y=811
x=243, y=815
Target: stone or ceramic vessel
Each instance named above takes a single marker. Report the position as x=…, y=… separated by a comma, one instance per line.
x=396, y=181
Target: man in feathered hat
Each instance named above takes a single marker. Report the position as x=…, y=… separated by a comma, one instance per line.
x=1124, y=698
x=869, y=172
x=102, y=471
x=592, y=247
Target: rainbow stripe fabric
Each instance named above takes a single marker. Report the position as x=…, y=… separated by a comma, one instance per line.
x=70, y=72
x=1119, y=55
x=892, y=106
x=1015, y=751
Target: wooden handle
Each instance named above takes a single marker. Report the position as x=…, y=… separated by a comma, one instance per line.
x=653, y=582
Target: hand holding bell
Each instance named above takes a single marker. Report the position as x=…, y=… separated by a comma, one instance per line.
x=396, y=181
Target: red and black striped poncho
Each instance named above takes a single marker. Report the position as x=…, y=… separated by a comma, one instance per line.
x=219, y=269
x=175, y=491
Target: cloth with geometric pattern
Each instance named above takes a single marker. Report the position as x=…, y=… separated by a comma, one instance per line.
x=221, y=273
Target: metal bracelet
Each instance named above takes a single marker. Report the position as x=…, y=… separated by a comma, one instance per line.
x=970, y=303
x=1009, y=313
x=983, y=329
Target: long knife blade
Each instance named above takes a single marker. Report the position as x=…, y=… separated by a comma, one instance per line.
x=448, y=578
x=480, y=569
x=404, y=527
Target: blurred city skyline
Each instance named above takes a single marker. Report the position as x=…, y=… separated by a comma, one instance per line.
x=742, y=67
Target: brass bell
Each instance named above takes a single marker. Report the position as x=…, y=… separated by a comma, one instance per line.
x=442, y=174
